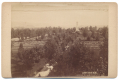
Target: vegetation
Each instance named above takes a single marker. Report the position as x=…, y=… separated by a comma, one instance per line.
x=64, y=46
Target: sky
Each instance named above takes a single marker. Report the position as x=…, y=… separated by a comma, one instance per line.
x=66, y=15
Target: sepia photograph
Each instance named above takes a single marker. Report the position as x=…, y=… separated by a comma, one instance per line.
x=59, y=39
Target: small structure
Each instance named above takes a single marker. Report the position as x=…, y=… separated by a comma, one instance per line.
x=46, y=36
x=15, y=39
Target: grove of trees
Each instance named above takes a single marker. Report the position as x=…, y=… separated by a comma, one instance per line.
x=91, y=32
x=64, y=47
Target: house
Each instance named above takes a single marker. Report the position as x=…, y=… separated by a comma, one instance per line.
x=46, y=36
x=15, y=39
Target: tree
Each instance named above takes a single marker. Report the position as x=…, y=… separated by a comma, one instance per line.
x=32, y=33
x=38, y=32
x=26, y=33
x=88, y=39
x=98, y=36
x=50, y=48
x=90, y=28
x=20, y=51
x=94, y=34
x=22, y=36
x=74, y=29
x=89, y=34
x=104, y=32
x=18, y=32
x=104, y=56
x=85, y=32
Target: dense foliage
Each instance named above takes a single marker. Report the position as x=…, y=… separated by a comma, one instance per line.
x=64, y=47
x=91, y=32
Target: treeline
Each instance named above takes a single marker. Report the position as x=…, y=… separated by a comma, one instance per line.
x=89, y=33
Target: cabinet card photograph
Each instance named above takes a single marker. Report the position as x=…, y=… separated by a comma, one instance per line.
x=60, y=40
